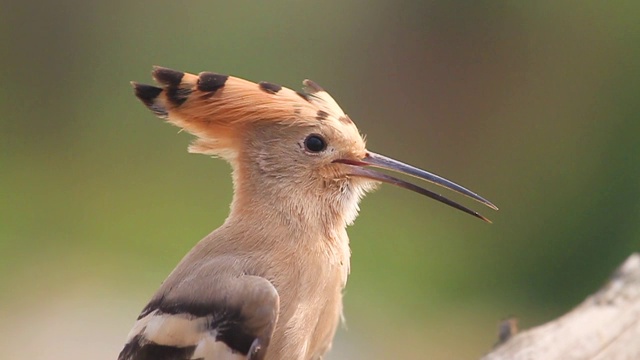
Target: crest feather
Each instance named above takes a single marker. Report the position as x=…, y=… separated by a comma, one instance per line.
x=216, y=107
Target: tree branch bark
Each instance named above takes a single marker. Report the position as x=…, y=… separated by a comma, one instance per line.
x=604, y=326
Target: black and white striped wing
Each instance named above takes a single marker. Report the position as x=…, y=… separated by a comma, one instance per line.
x=234, y=325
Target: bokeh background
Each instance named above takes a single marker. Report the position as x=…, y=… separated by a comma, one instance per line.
x=531, y=104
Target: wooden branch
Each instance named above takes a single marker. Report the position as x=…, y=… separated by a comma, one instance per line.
x=605, y=326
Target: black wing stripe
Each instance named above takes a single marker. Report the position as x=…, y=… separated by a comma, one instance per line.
x=140, y=349
x=231, y=331
x=228, y=322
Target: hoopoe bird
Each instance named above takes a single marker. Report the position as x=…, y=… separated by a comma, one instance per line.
x=268, y=283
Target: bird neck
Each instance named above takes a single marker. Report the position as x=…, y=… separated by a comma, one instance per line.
x=279, y=206
x=289, y=213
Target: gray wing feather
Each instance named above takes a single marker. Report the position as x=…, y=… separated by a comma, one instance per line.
x=210, y=311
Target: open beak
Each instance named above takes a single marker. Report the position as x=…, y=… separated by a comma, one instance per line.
x=358, y=168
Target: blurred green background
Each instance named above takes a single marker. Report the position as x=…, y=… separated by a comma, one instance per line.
x=534, y=105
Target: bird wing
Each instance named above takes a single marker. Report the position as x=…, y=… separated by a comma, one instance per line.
x=206, y=312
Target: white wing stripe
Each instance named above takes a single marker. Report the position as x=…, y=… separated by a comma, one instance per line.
x=175, y=330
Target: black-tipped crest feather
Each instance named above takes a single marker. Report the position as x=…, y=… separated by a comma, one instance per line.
x=146, y=93
x=168, y=77
x=211, y=82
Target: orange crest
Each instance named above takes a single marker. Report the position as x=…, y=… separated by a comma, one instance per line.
x=215, y=107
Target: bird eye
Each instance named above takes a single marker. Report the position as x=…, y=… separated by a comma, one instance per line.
x=315, y=143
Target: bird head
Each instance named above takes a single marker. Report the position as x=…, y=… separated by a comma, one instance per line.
x=298, y=149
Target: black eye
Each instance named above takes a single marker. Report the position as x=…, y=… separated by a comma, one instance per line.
x=315, y=143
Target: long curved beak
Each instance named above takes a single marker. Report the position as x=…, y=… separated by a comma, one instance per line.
x=358, y=168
